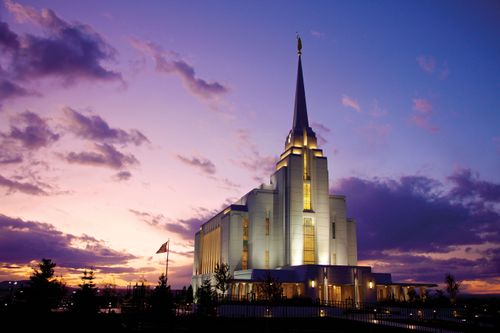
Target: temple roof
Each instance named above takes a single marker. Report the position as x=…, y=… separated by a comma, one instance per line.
x=300, y=120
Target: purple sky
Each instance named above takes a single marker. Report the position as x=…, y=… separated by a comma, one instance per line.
x=123, y=125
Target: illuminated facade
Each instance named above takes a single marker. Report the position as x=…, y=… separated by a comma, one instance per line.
x=291, y=227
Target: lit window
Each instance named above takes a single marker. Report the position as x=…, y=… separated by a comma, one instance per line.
x=306, y=167
x=245, y=229
x=266, y=259
x=309, y=241
x=244, y=255
x=244, y=259
x=307, y=195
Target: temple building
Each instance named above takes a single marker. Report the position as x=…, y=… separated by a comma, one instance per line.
x=293, y=229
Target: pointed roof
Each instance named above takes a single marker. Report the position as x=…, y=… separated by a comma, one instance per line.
x=300, y=120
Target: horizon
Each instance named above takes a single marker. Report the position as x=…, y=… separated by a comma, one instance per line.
x=115, y=137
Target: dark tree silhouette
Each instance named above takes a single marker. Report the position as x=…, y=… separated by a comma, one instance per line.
x=44, y=291
x=452, y=287
x=161, y=298
x=85, y=301
x=223, y=278
x=205, y=298
x=139, y=296
x=270, y=288
x=189, y=295
x=109, y=296
x=185, y=296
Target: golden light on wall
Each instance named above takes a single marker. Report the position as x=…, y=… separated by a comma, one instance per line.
x=309, y=246
x=210, y=250
x=370, y=284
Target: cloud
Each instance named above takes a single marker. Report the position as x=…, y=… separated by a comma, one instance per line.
x=424, y=268
x=16, y=186
x=418, y=208
x=320, y=127
x=8, y=156
x=317, y=34
x=93, y=127
x=207, y=167
x=9, y=90
x=185, y=228
x=350, y=103
x=169, y=62
x=104, y=155
x=9, y=41
x=467, y=185
x=34, y=132
x=421, y=116
x=261, y=166
x=23, y=241
x=427, y=63
x=123, y=269
x=377, y=111
x=375, y=133
x=201, y=163
x=227, y=184
x=431, y=222
x=66, y=51
x=322, y=131
x=123, y=175
x=422, y=105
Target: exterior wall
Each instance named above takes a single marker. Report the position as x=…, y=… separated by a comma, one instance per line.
x=260, y=206
x=210, y=250
x=339, y=253
x=235, y=239
x=196, y=264
x=352, y=244
x=282, y=201
x=321, y=208
x=295, y=228
x=278, y=247
x=225, y=222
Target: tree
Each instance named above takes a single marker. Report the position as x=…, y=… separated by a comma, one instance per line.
x=85, y=300
x=44, y=291
x=223, y=278
x=412, y=294
x=139, y=296
x=452, y=287
x=270, y=288
x=205, y=298
x=109, y=296
x=189, y=295
x=185, y=296
x=161, y=299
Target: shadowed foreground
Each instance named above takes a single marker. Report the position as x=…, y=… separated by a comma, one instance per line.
x=64, y=322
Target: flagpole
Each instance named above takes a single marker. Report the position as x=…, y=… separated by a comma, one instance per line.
x=166, y=266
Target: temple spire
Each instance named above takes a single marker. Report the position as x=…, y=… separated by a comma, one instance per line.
x=300, y=120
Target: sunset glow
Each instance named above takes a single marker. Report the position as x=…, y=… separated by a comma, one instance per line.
x=123, y=125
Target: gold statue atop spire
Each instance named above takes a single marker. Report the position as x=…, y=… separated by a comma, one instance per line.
x=299, y=45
